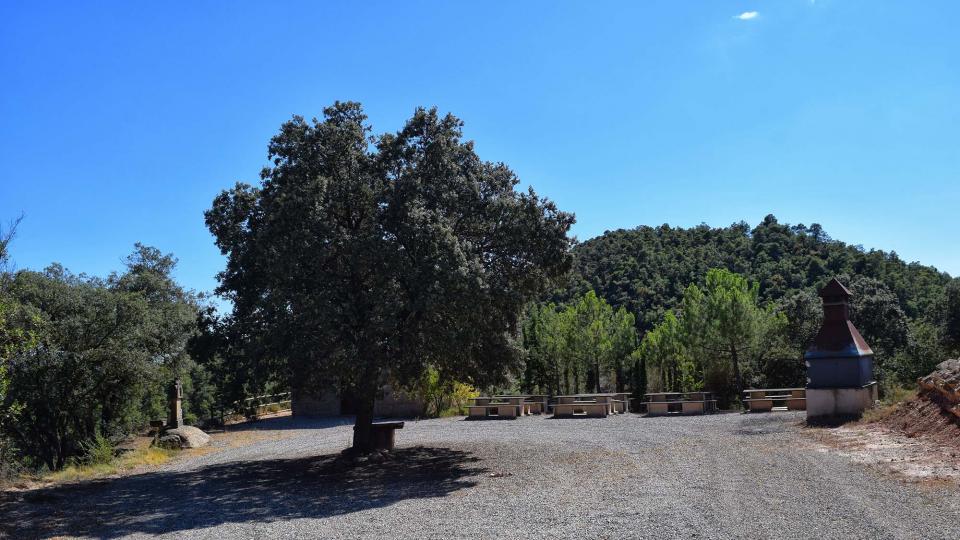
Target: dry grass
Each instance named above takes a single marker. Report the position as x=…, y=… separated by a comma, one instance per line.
x=889, y=405
x=141, y=457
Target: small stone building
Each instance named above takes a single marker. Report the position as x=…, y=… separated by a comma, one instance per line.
x=395, y=403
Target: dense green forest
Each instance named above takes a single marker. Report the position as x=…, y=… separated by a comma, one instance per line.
x=647, y=269
x=908, y=312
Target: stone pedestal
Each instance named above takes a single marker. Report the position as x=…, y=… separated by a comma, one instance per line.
x=826, y=402
x=175, y=397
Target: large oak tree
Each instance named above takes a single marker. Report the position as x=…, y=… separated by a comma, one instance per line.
x=363, y=258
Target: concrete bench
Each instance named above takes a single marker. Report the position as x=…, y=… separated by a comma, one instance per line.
x=765, y=400
x=535, y=407
x=619, y=406
x=492, y=410
x=585, y=408
x=655, y=408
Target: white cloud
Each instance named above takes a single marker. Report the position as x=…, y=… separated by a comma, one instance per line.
x=747, y=15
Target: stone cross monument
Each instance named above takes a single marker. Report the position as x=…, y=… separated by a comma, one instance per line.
x=175, y=395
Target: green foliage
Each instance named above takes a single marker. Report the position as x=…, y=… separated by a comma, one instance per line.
x=647, y=269
x=665, y=350
x=107, y=350
x=638, y=380
x=878, y=315
x=363, y=258
x=921, y=354
x=720, y=339
x=442, y=397
x=577, y=347
x=950, y=316
x=98, y=451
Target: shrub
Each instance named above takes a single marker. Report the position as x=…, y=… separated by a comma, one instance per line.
x=98, y=451
x=443, y=397
x=108, y=349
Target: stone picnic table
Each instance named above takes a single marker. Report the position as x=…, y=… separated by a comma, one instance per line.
x=601, y=404
x=498, y=407
x=768, y=399
x=661, y=403
x=534, y=403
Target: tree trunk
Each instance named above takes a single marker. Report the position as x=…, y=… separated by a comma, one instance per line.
x=621, y=384
x=737, y=377
x=363, y=426
x=596, y=376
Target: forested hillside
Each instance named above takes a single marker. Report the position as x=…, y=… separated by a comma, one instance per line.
x=908, y=312
x=646, y=269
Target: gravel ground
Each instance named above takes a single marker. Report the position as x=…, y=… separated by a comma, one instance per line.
x=719, y=476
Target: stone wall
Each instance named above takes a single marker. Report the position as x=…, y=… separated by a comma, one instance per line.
x=397, y=403
x=304, y=403
x=394, y=403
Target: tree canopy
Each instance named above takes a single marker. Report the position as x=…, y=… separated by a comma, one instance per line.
x=721, y=331
x=364, y=257
x=99, y=355
x=900, y=308
x=585, y=345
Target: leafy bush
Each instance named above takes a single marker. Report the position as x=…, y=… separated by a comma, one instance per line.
x=99, y=451
x=645, y=270
x=443, y=397
x=107, y=351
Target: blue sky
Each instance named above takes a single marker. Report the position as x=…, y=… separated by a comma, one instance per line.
x=120, y=122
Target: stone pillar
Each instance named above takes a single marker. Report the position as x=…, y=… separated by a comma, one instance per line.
x=175, y=395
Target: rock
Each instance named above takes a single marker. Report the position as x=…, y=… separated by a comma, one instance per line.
x=943, y=386
x=190, y=437
x=170, y=442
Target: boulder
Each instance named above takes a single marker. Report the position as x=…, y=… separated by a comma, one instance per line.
x=943, y=386
x=190, y=437
x=170, y=442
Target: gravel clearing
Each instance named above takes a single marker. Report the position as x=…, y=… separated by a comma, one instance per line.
x=719, y=476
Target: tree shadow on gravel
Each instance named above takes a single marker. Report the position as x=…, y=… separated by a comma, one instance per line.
x=281, y=423
x=237, y=492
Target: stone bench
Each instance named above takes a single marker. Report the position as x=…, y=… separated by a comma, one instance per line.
x=492, y=410
x=619, y=406
x=535, y=407
x=764, y=400
x=686, y=406
x=584, y=408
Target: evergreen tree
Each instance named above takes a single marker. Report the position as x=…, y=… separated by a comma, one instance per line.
x=364, y=258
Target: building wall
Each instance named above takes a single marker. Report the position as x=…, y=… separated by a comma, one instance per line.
x=826, y=402
x=395, y=403
x=305, y=404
